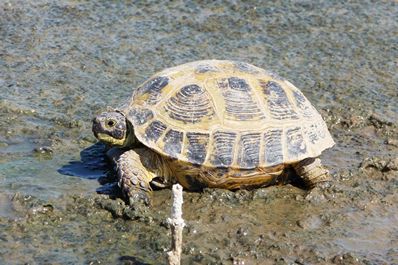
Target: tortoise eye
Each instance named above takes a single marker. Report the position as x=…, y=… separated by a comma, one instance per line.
x=111, y=123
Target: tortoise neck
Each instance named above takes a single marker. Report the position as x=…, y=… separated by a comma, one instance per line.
x=131, y=139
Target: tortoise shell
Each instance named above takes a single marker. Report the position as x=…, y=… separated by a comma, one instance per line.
x=226, y=114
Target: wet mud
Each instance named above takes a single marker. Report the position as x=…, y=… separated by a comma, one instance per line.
x=63, y=63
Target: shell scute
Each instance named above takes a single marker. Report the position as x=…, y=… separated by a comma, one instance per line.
x=140, y=116
x=249, y=150
x=151, y=91
x=296, y=146
x=277, y=100
x=197, y=145
x=190, y=105
x=154, y=130
x=223, y=146
x=173, y=142
x=273, y=147
x=239, y=100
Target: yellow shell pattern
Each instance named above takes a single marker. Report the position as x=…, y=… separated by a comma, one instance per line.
x=226, y=114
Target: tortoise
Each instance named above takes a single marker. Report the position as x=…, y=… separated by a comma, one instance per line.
x=214, y=123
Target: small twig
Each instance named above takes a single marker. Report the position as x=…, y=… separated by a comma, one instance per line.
x=177, y=224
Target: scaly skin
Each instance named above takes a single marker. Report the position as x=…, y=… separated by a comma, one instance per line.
x=312, y=172
x=136, y=169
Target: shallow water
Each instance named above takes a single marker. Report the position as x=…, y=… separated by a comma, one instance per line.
x=62, y=63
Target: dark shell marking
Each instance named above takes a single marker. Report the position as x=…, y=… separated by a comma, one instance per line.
x=190, y=105
x=173, y=142
x=273, y=153
x=245, y=67
x=140, y=116
x=303, y=104
x=197, y=147
x=239, y=100
x=313, y=133
x=295, y=143
x=274, y=75
x=154, y=131
x=153, y=88
x=238, y=84
x=223, y=144
x=278, y=103
x=204, y=68
x=249, y=150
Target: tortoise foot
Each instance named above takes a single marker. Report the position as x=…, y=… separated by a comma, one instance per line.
x=133, y=177
x=138, y=197
x=313, y=173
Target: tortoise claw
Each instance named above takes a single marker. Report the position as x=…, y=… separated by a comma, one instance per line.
x=138, y=196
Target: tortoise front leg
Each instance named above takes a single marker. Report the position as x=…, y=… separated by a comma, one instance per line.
x=133, y=176
x=312, y=172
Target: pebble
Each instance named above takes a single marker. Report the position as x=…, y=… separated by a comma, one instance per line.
x=43, y=150
x=315, y=196
x=347, y=258
x=381, y=164
x=393, y=142
x=312, y=222
x=378, y=120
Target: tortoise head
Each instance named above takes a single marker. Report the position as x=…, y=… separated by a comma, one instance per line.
x=112, y=128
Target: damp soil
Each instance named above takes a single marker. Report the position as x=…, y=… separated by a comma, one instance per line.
x=61, y=63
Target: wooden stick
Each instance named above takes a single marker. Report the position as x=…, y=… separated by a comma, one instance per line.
x=177, y=224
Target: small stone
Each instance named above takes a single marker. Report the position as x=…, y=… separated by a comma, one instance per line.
x=315, y=196
x=43, y=209
x=354, y=121
x=347, y=258
x=43, y=150
x=377, y=120
x=242, y=231
x=393, y=142
x=115, y=207
x=380, y=164
x=392, y=164
x=311, y=222
x=338, y=259
x=238, y=261
x=374, y=162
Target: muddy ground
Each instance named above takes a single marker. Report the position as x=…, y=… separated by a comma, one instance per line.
x=62, y=63
x=351, y=221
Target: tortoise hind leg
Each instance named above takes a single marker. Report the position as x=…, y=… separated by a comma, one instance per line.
x=312, y=172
